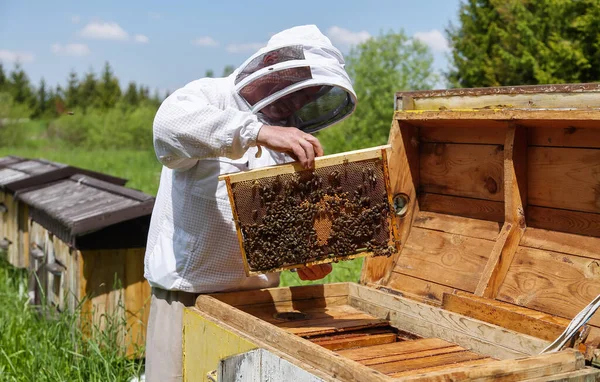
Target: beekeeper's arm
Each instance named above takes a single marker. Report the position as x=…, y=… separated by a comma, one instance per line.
x=190, y=126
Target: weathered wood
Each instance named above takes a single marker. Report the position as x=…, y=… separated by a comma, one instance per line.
x=463, y=134
x=23, y=237
x=320, y=162
x=554, y=283
x=577, y=245
x=510, y=370
x=238, y=228
x=415, y=356
x=136, y=299
x=428, y=359
x=508, y=316
x=298, y=348
x=462, y=170
x=404, y=178
x=459, y=206
x=397, y=348
x=452, y=260
x=441, y=367
x=582, y=223
x=541, y=117
x=556, y=175
x=566, y=134
x=430, y=321
x=355, y=341
x=588, y=374
x=417, y=289
x=457, y=225
x=337, y=320
x=313, y=307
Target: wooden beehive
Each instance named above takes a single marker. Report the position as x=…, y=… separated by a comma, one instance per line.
x=500, y=248
x=88, y=241
x=290, y=217
x=17, y=174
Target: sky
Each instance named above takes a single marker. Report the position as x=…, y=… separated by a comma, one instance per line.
x=165, y=45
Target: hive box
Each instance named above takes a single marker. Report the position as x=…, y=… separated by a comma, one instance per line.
x=500, y=248
x=88, y=240
x=17, y=174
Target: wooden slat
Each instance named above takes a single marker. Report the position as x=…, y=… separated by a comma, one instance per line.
x=581, y=223
x=313, y=306
x=388, y=359
x=261, y=296
x=467, y=207
x=427, y=361
x=136, y=299
x=458, y=225
x=404, y=347
x=463, y=134
x=355, y=341
x=541, y=117
x=462, y=170
x=452, y=260
x=588, y=374
x=566, y=134
x=508, y=316
x=577, y=245
x=551, y=282
x=320, y=162
x=564, y=178
x=509, y=370
x=403, y=162
x=441, y=367
x=429, y=321
x=331, y=325
x=296, y=347
x=420, y=290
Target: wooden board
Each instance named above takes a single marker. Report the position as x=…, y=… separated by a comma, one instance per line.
x=557, y=174
x=426, y=359
x=582, y=223
x=359, y=339
x=535, y=117
x=462, y=170
x=459, y=206
x=571, y=244
x=397, y=348
x=551, y=282
x=566, y=134
x=418, y=289
x=457, y=225
x=452, y=260
x=463, y=134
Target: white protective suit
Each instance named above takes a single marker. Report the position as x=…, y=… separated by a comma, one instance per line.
x=209, y=128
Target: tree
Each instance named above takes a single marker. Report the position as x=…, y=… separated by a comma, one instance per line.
x=72, y=97
x=88, y=91
x=521, y=42
x=228, y=70
x=209, y=73
x=42, y=100
x=110, y=91
x=19, y=86
x=379, y=67
x=3, y=80
x=131, y=96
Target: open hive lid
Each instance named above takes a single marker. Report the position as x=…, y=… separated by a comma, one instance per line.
x=18, y=174
x=503, y=191
x=88, y=213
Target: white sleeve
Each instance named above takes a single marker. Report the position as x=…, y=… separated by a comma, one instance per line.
x=189, y=127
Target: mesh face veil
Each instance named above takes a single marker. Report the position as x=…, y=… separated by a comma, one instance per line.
x=297, y=80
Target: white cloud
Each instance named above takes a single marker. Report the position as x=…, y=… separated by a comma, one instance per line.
x=104, y=31
x=205, y=41
x=75, y=19
x=70, y=49
x=345, y=38
x=435, y=39
x=154, y=15
x=141, y=39
x=11, y=56
x=245, y=48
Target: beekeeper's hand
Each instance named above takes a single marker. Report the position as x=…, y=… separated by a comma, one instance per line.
x=315, y=272
x=300, y=145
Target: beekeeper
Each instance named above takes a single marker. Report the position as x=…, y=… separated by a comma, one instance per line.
x=293, y=87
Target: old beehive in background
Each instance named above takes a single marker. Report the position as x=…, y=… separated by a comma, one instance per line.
x=289, y=217
x=499, y=250
x=88, y=241
x=17, y=174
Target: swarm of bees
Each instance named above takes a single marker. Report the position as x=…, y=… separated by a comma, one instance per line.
x=281, y=230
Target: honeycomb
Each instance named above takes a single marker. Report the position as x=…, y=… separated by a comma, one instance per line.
x=322, y=215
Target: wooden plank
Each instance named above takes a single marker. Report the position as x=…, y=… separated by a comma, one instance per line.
x=588, y=374
x=388, y=359
x=554, y=283
x=462, y=170
x=427, y=361
x=441, y=367
x=304, y=351
x=270, y=295
x=320, y=162
x=429, y=321
x=356, y=341
x=459, y=206
x=541, y=117
x=452, y=260
x=509, y=370
x=571, y=244
x=417, y=289
x=463, y=134
x=315, y=306
x=403, y=159
x=23, y=242
x=581, y=223
x=565, y=178
x=397, y=348
x=508, y=316
x=326, y=326
x=458, y=225
x=137, y=299
x=566, y=134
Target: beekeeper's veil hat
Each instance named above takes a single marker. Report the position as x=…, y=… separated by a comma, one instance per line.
x=297, y=80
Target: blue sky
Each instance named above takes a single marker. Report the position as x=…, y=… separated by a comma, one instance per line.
x=164, y=45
